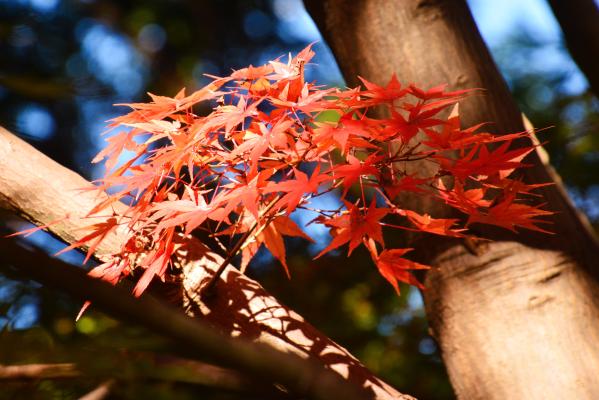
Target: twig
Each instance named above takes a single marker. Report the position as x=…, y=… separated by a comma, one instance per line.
x=99, y=393
x=161, y=368
x=208, y=290
x=39, y=371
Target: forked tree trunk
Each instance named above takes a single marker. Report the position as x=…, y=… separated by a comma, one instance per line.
x=519, y=319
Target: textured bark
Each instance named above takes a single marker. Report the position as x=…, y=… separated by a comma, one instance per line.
x=520, y=318
x=579, y=20
x=43, y=192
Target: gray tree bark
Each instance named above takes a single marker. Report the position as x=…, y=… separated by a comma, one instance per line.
x=519, y=317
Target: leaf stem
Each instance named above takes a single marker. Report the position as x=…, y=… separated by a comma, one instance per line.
x=208, y=290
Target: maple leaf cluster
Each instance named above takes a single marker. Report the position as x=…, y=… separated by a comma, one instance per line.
x=265, y=150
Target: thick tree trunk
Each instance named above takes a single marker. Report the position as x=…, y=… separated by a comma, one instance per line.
x=579, y=20
x=519, y=319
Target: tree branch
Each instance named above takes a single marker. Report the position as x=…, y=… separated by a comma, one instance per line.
x=43, y=191
x=141, y=366
x=198, y=339
x=100, y=392
x=39, y=371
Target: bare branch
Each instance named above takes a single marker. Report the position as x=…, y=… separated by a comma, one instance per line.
x=99, y=393
x=152, y=367
x=39, y=371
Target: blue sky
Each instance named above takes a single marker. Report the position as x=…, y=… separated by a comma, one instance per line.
x=497, y=19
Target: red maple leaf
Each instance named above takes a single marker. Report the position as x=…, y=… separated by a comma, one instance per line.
x=350, y=173
x=347, y=132
x=438, y=226
x=93, y=239
x=406, y=183
x=487, y=162
x=375, y=94
x=240, y=165
x=395, y=268
x=256, y=141
x=354, y=226
x=510, y=215
x=248, y=192
x=452, y=137
x=252, y=73
x=436, y=92
x=296, y=189
x=468, y=201
x=272, y=237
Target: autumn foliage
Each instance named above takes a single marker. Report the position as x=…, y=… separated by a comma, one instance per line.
x=269, y=143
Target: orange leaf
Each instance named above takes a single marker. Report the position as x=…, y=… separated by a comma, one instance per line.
x=395, y=268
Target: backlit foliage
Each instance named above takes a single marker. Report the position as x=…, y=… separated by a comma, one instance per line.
x=264, y=151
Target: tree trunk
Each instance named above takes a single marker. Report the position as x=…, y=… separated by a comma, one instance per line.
x=579, y=20
x=520, y=318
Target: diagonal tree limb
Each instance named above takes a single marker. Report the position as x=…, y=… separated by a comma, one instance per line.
x=42, y=191
x=190, y=336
